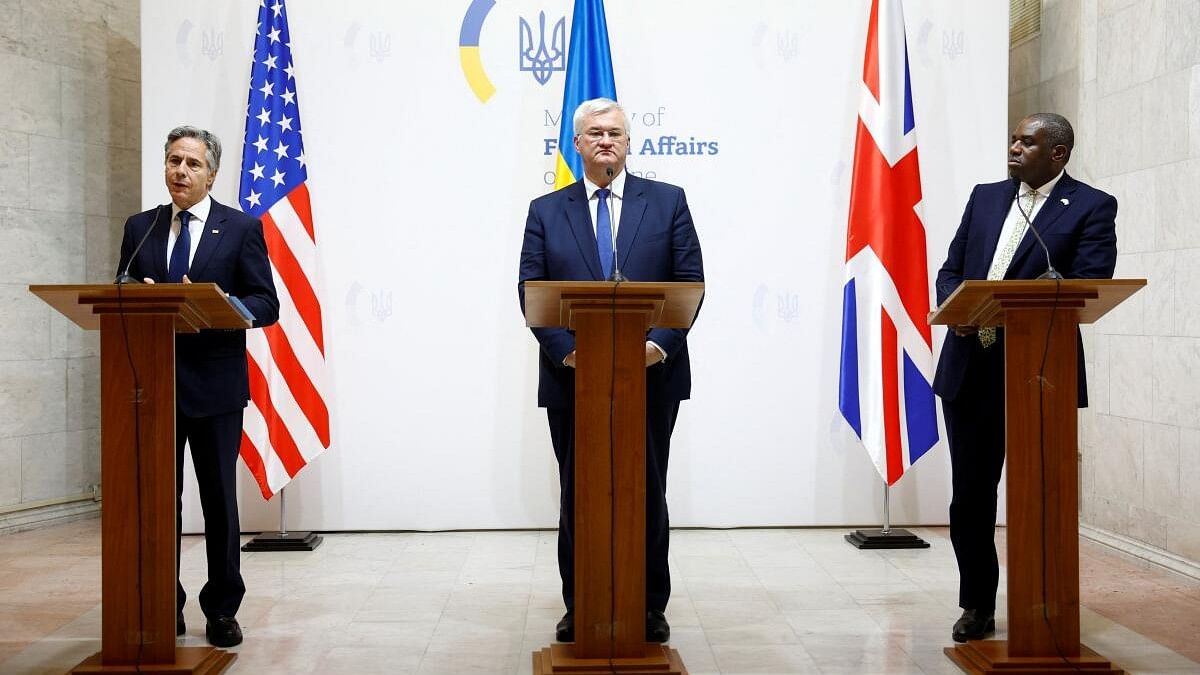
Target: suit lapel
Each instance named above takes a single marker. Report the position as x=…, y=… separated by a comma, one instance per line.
x=996, y=225
x=1047, y=217
x=210, y=238
x=156, y=245
x=633, y=207
x=580, y=219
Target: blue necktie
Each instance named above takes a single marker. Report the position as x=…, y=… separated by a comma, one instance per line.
x=178, y=265
x=604, y=238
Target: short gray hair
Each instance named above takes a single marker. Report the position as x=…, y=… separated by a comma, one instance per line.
x=597, y=106
x=212, y=144
x=1058, y=130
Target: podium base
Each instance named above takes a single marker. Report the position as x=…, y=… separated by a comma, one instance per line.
x=895, y=538
x=985, y=657
x=284, y=541
x=188, y=660
x=559, y=659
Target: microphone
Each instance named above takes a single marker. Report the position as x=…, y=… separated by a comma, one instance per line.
x=1050, y=272
x=616, y=266
x=124, y=277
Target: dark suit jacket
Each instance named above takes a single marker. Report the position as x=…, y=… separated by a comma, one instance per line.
x=210, y=366
x=1078, y=223
x=656, y=241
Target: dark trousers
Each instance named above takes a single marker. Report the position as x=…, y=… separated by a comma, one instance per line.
x=975, y=430
x=660, y=422
x=214, y=441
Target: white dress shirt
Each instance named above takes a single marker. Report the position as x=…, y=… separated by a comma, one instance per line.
x=199, y=212
x=1016, y=220
x=615, y=197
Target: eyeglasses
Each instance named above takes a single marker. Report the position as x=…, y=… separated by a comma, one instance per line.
x=597, y=135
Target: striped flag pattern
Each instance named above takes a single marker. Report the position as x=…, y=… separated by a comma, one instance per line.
x=287, y=422
x=887, y=365
x=589, y=75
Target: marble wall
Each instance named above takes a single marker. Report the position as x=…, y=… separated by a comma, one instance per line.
x=1127, y=74
x=70, y=132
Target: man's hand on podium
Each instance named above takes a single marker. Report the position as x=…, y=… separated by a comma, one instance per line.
x=653, y=355
x=186, y=280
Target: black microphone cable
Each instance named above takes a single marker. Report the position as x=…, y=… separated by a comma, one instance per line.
x=612, y=471
x=1042, y=469
x=137, y=472
x=612, y=484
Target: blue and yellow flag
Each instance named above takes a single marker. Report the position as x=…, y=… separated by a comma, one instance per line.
x=589, y=75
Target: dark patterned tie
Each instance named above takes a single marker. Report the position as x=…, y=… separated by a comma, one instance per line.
x=178, y=265
x=604, y=238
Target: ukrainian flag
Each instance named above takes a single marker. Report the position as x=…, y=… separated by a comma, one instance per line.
x=589, y=75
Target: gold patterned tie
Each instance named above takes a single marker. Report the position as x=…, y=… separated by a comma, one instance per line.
x=987, y=336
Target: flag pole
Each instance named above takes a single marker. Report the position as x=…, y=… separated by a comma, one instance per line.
x=284, y=540
x=283, y=506
x=887, y=515
x=885, y=537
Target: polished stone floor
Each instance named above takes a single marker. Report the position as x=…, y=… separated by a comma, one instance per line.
x=746, y=601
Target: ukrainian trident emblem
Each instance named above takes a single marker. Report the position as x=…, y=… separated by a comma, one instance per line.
x=541, y=60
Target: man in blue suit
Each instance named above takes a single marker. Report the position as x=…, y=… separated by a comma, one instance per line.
x=569, y=235
x=1078, y=225
x=199, y=240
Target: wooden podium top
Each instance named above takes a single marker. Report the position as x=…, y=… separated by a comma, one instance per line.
x=671, y=304
x=195, y=306
x=985, y=303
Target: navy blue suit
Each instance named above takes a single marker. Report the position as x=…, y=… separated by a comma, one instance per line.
x=211, y=383
x=656, y=241
x=1078, y=225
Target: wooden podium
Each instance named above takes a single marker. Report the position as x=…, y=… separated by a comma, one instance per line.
x=1040, y=318
x=610, y=322
x=137, y=325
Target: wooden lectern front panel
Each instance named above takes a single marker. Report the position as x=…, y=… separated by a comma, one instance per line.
x=1042, y=453
x=138, y=474
x=610, y=483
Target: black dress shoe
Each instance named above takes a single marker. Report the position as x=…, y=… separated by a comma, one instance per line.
x=565, y=630
x=224, y=632
x=657, y=628
x=180, y=626
x=974, y=625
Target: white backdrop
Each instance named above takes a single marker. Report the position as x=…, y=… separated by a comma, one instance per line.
x=420, y=192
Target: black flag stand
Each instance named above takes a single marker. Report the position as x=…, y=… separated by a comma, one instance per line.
x=284, y=540
x=885, y=537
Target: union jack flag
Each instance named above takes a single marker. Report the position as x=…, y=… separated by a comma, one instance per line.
x=887, y=348
x=287, y=422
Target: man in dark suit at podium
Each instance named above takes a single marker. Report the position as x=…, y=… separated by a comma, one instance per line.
x=1078, y=225
x=571, y=234
x=200, y=240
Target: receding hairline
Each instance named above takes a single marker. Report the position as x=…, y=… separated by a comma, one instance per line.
x=1058, y=129
x=212, y=144
x=597, y=106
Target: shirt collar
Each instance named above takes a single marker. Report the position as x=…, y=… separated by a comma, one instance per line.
x=199, y=210
x=1045, y=190
x=617, y=186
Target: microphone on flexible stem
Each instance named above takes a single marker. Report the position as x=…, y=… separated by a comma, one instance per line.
x=616, y=267
x=1050, y=272
x=124, y=277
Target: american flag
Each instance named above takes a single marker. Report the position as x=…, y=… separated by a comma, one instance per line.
x=287, y=422
x=887, y=348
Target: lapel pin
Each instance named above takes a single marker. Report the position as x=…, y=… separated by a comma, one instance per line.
x=1065, y=201
x=219, y=232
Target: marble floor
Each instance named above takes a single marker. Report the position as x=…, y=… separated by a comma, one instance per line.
x=745, y=601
